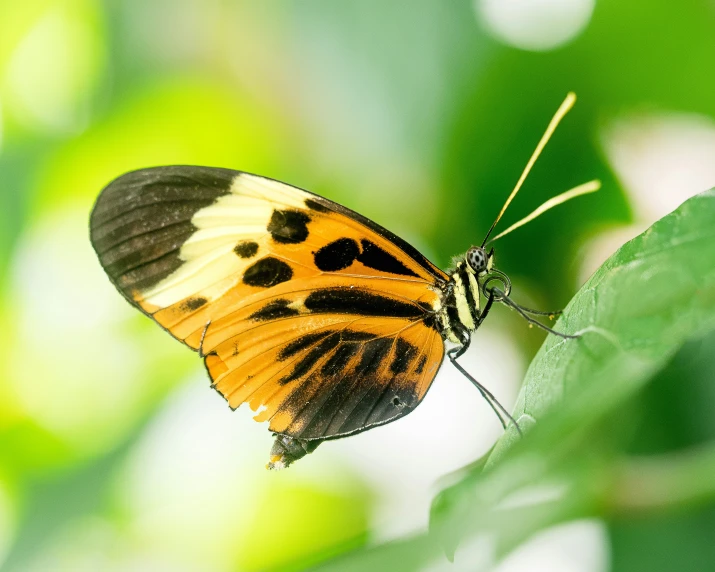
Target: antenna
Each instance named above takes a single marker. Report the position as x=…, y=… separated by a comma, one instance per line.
x=590, y=187
x=560, y=113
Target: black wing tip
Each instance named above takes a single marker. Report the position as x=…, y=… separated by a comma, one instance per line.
x=155, y=192
x=218, y=178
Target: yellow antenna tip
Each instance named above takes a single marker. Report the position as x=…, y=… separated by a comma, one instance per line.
x=584, y=189
x=563, y=109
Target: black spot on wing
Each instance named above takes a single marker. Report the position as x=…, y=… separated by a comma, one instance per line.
x=339, y=360
x=301, y=343
x=376, y=258
x=191, y=304
x=405, y=353
x=351, y=342
x=431, y=322
x=373, y=355
x=308, y=340
x=246, y=249
x=274, y=310
x=336, y=255
x=288, y=226
x=267, y=272
x=421, y=365
x=430, y=319
x=356, y=336
x=360, y=302
x=308, y=362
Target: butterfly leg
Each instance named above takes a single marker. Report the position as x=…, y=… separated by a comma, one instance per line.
x=524, y=314
x=455, y=352
x=487, y=307
x=462, y=333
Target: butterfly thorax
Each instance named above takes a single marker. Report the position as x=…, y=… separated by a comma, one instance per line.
x=460, y=302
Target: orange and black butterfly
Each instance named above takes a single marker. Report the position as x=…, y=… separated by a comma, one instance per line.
x=322, y=319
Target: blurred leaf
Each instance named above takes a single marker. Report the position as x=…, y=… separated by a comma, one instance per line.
x=50, y=503
x=176, y=121
x=52, y=67
x=16, y=22
x=675, y=409
x=680, y=542
x=285, y=539
x=406, y=554
x=673, y=412
x=647, y=300
x=28, y=448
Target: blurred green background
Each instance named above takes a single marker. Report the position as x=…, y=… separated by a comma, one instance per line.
x=114, y=454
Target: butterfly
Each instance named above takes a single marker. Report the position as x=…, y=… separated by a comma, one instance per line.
x=323, y=321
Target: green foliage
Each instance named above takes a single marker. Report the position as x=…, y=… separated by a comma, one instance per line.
x=651, y=297
x=634, y=313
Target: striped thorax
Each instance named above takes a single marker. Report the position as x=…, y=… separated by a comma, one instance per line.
x=460, y=306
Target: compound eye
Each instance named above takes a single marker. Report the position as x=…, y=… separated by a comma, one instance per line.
x=477, y=259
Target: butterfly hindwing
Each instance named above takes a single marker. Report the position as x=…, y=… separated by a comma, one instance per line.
x=320, y=377
x=299, y=304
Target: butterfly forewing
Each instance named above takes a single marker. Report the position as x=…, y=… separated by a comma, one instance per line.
x=299, y=305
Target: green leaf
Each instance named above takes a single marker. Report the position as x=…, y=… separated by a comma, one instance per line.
x=633, y=314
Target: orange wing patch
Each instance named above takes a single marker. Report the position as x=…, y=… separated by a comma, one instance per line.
x=322, y=378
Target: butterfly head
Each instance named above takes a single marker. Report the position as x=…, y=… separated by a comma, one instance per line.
x=479, y=260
